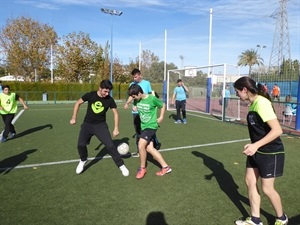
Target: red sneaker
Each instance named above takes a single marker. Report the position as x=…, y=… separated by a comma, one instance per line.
x=141, y=173
x=164, y=171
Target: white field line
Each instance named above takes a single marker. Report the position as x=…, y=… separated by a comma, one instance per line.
x=106, y=157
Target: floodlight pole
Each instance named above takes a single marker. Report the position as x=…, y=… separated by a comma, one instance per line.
x=112, y=12
x=260, y=47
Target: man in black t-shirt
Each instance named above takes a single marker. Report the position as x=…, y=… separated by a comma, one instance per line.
x=95, y=124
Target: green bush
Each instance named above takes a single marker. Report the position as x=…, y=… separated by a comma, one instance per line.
x=66, y=91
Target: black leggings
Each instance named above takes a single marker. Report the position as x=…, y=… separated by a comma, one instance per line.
x=101, y=131
x=9, y=127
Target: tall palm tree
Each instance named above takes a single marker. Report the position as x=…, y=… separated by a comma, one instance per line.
x=250, y=58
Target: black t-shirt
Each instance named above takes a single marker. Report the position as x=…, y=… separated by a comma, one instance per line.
x=260, y=112
x=97, y=107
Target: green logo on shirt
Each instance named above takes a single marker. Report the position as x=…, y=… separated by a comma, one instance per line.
x=97, y=107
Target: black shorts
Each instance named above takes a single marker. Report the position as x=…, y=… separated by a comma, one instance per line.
x=268, y=165
x=148, y=134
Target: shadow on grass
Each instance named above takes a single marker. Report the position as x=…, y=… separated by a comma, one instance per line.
x=294, y=220
x=228, y=185
x=156, y=218
x=6, y=165
x=34, y=129
x=173, y=116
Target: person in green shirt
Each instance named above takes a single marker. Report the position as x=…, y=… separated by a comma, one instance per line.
x=8, y=109
x=147, y=105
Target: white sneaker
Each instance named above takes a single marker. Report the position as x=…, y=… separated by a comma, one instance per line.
x=80, y=167
x=248, y=221
x=136, y=154
x=282, y=222
x=124, y=171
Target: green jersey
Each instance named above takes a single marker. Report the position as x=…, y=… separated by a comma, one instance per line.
x=147, y=109
x=8, y=103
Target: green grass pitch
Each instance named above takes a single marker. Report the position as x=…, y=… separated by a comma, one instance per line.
x=38, y=183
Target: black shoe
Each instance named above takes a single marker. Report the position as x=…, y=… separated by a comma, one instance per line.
x=157, y=146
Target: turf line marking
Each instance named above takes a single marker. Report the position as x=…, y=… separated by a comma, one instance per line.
x=204, y=145
x=204, y=117
x=107, y=156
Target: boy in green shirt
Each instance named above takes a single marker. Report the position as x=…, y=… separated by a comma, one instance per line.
x=147, y=107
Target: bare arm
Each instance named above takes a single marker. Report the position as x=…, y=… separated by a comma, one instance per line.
x=75, y=111
x=173, y=99
x=23, y=103
x=116, y=122
x=129, y=100
x=162, y=113
x=275, y=132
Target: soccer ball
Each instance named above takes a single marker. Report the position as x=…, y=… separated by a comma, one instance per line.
x=123, y=148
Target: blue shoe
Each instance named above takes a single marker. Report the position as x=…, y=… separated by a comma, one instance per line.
x=178, y=121
x=12, y=135
x=184, y=121
x=3, y=139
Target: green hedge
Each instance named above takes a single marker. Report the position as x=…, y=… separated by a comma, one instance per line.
x=66, y=91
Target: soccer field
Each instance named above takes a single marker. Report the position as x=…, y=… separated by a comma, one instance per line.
x=38, y=183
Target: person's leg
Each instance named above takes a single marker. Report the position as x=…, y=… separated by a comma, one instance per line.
x=273, y=167
x=143, y=158
x=226, y=102
x=84, y=138
x=183, y=109
x=137, y=129
x=156, y=155
x=101, y=131
x=156, y=143
x=251, y=179
x=272, y=194
x=7, y=119
x=252, y=176
x=177, y=104
x=145, y=139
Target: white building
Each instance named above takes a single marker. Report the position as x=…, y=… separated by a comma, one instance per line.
x=12, y=78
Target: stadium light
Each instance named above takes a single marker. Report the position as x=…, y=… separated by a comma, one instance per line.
x=260, y=47
x=112, y=12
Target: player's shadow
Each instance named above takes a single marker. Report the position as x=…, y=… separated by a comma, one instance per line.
x=228, y=185
x=173, y=116
x=103, y=152
x=156, y=218
x=8, y=164
x=295, y=220
x=33, y=129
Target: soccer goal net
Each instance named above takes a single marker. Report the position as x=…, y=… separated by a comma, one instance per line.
x=206, y=90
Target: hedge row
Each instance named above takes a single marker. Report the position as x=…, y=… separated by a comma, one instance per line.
x=66, y=91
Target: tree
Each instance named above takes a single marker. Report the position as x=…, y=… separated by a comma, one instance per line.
x=156, y=71
x=147, y=58
x=289, y=69
x=26, y=46
x=250, y=58
x=78, y=58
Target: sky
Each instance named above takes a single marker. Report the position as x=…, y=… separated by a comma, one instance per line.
x=175, y=30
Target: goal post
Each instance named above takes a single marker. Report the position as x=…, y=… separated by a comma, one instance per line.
x=207, y=86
